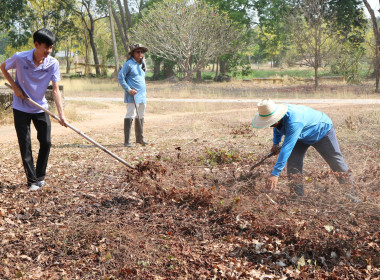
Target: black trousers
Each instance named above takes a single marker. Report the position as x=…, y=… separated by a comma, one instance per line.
x=42, y=124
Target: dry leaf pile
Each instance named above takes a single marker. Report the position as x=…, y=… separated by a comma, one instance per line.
x=185, y=213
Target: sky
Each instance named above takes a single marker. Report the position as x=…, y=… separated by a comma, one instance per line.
x=374, y=5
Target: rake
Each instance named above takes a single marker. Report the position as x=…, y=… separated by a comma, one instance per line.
x=76, y=130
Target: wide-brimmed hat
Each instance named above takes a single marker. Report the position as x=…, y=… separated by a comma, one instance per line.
x=134, y=47
x=269, y=113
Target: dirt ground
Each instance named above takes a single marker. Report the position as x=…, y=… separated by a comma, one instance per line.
x=191, y=209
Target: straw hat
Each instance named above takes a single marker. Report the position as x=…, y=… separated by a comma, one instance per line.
x=134, y=47
x=269, y=113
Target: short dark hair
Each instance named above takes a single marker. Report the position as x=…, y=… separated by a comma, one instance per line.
x=44, y=36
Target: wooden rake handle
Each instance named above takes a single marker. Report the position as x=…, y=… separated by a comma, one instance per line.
x=261, y=161
x=77, y=131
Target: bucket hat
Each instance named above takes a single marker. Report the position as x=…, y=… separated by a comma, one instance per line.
x=269, y=113
x=134, y=47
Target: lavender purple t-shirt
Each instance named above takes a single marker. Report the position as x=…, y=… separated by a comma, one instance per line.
x=32, y=80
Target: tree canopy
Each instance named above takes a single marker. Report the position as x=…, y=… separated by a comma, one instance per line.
x=189, y=34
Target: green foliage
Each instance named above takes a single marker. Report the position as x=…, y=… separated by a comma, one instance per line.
x=303, y=73
x=216, y=156
x=207, y=76
x=272, y=32
x=346, y=15
x=3, y=43
x=16, y=18
x=245, y=71
x=237, y=10
x=268, y=37
x=348, y=63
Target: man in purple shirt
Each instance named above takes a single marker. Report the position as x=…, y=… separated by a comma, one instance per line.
x=34, y=71
x=302, y=127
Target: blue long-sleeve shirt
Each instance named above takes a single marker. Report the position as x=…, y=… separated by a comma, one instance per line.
x=300, y=123
x=131, y=76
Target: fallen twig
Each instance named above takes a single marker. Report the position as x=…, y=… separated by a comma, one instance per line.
x=271, y=200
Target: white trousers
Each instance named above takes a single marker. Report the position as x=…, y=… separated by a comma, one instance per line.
x=131, y=110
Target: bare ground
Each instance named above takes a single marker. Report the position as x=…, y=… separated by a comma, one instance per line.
x=192, y=209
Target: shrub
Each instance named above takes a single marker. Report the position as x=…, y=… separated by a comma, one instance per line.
x=215, y=156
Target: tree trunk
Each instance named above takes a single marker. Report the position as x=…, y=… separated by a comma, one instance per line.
x=93, y=48
x=156, y=69
x=91, y=30
x=120, y=29
x=376, y=66
x=86, y=58
x=199, y=75
x=217, y=68
x=128, y=13
x=188, y=70
x=87, y=61
x=67, y=57
x=122, y=16
x=140, y=7
x=169, y=69
x=223, y=67
x=113, y=41
x=316, y=76
x=68, y=64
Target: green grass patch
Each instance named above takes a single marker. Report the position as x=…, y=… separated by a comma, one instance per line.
x=270, y=73
x=214, y=156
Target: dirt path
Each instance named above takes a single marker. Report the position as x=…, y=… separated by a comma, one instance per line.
x=106, y=121
x=208, y=100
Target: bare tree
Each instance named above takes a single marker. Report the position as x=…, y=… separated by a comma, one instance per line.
x=188, y=33
x=375, y=28
x=311, y=33
x=89, y=12
x=113, y=39
x=123, y=17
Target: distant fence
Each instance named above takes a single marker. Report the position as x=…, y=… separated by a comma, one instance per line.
x=79, y=64
x=272, y=80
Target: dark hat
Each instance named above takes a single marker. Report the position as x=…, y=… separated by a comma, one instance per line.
x=134, y=47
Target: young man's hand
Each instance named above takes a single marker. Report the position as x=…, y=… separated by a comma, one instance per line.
x=62, y=121
x=271, y=183
x=18, y=92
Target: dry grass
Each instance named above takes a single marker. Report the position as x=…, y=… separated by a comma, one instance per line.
x=74, y=86
x=6, y=116
x=234, y=89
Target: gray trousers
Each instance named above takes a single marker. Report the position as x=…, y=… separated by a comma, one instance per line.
x=328, y=148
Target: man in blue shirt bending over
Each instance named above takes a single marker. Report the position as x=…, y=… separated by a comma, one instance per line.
x=35, y=69
x=132, y=78
x=302, y=127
